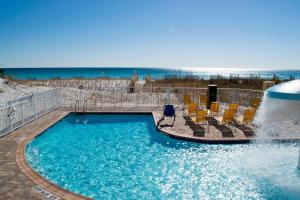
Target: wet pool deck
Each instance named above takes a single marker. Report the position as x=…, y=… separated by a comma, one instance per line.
x=17, y=178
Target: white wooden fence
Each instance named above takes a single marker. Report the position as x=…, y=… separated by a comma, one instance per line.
x=20, y=111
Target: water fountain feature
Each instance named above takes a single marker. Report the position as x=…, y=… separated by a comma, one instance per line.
x=299, y=160
x=279, y=113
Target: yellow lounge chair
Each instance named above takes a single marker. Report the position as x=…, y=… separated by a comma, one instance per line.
x=201, y=118
x=228, y=116
x=192, y=108
x=214, y=108
x=255, y=102
x=248, y=117
x=234, y=106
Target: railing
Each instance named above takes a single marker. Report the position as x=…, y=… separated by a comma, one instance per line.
x=237, y=95
x=227, y=76
x=20, y=111
x=149, y=96
x=76, y=105
x=84, y=109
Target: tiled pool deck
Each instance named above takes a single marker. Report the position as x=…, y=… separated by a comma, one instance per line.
x=17, y=178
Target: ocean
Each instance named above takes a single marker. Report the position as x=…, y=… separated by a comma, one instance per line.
x=155, y=73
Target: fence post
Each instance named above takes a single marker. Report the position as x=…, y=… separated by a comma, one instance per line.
x=57, y=99
x=34, y=105
x=22, y=113
x=53, y=97
x=239, y=95
x=121, y=97
x=45, y=101
x=101, y=97
x=157, y=99
x=12, y=124
x=151, y=97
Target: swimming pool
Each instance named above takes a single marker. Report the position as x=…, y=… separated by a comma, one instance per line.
x=122, y=156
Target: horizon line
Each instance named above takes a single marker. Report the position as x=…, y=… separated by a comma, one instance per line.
x=158, y=67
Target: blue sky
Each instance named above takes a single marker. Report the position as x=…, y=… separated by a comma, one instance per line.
x=261, y=34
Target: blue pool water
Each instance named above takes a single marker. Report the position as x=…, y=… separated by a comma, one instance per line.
x=122, y=156
x=122, y=72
